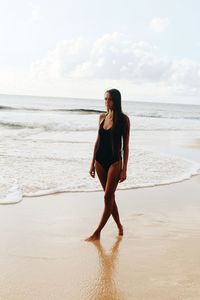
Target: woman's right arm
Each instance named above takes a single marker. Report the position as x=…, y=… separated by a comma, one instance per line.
x=94, y=152
x=92, y=167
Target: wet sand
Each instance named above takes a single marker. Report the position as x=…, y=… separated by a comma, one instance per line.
x=195, y=144
x=43, y=254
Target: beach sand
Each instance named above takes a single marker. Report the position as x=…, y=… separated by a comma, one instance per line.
x=43, y=254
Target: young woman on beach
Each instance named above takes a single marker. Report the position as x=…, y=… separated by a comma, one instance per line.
x=114, y=127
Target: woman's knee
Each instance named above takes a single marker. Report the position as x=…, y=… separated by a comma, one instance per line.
x=109, y=198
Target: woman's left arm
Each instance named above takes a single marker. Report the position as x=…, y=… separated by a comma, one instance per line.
x=126, y=136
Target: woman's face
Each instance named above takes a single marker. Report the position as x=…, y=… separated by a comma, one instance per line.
x=108, y=101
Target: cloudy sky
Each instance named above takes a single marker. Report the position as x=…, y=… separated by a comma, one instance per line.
x=149, y=50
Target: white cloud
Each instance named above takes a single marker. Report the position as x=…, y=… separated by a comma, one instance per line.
x=113, y=56
x=59, y=62
x=78, y=68
x=185, y=77
x=159, y=24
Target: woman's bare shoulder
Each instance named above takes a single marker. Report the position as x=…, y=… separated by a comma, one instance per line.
x=101, y=117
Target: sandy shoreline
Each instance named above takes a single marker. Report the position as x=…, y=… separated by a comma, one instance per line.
x=43, y=255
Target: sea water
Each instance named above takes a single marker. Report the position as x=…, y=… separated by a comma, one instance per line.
x=46, y=144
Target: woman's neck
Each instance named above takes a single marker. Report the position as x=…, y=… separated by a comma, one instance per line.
x=110, y=114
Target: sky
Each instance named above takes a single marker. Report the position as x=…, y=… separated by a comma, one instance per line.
x=149, y=50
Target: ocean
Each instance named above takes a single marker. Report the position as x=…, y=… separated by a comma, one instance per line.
x=47, y=144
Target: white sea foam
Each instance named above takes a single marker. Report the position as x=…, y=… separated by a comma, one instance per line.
x=49, y=149
x=13, y=194
x=46, y=121
x=41, y=169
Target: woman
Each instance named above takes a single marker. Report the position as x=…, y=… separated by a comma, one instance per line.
x=114, y=127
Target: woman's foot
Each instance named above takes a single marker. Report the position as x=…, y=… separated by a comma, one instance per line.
x=93, y=237
x=121, y=232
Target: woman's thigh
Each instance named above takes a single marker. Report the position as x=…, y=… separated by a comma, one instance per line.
x=113, y=177
x=102, y=174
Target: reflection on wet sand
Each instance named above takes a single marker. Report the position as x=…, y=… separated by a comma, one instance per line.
x=104, y=286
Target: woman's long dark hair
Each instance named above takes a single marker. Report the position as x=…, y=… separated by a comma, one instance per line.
x=119, y=127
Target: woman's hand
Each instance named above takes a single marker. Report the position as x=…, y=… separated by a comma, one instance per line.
x=92, y=171
x=122, y=175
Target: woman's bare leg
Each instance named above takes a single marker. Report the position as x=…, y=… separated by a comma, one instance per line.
x=102, y=175
x=115, y=214
x=110, y=187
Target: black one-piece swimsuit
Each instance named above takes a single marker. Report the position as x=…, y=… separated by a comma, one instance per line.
x=104, y=153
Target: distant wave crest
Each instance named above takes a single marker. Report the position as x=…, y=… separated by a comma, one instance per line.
x=68, y=127
x=76, y=110
x=81, y=111
x=165, y=116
